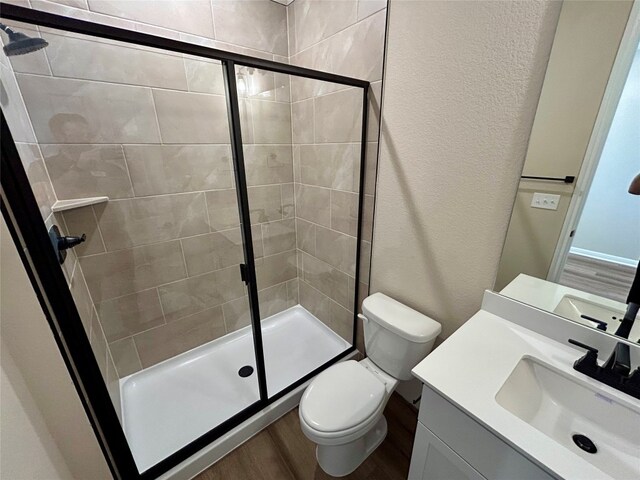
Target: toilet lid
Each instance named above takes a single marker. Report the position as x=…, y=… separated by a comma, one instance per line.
x=341, y=397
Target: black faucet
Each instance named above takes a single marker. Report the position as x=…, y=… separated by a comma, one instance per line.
x=633, y=305
x=600, y=324
x=614, y=372
x=619, y=361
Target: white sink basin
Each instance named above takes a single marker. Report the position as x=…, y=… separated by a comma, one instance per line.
x=560, y=406
x=573, y=307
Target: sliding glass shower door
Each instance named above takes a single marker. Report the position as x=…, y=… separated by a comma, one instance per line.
x=302, y=156
x=157, y=281
x=221, y=199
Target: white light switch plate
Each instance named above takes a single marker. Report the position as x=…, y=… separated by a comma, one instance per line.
x=546, y=201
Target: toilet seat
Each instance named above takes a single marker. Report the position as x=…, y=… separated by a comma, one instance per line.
x=344, y=400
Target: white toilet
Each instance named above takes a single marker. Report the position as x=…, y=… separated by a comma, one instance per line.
x=341, y=410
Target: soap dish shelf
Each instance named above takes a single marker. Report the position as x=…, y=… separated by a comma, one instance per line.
x=63, y=205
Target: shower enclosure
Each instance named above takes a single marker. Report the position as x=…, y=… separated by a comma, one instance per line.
x=221, y=196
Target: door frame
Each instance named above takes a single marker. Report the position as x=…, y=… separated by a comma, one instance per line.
x=610, y=99
x=22, y=215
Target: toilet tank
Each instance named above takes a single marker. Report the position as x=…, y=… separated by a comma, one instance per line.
x=396, y=337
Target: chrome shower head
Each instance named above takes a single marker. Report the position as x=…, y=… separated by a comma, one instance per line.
x=19, y=43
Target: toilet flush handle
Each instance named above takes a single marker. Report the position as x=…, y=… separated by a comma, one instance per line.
x=363, y=318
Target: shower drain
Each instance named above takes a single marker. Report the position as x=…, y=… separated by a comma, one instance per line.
x=585, y=443
x=245, y=371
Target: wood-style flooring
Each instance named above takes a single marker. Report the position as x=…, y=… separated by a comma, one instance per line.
x=607, y=279
x=282, y=452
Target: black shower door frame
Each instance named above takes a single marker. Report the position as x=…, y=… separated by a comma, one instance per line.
x=28, y=231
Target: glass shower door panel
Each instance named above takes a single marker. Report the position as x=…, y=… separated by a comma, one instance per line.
x=301, y=144
x=157, y=283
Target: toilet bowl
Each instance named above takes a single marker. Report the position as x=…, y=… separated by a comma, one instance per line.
x=342, y=408
x=346, y=424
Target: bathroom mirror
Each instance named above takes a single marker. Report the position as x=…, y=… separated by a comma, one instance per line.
x=573, y=243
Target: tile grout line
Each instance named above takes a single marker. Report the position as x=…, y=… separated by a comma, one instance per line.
x=187, y=278
x=253, y=123
x=126, y=166
x=224, y=318
x=155, y=111
x=184, y=260
x=46, y=58
x=94, y=312
x=206, y=209
x=226, y=230
x=186, y=76
x=293, y=162
x=313, y=121
x=180, y=239
x=86, y=285
x=262, y=235
x=315, y=255
x=351, y=25
x=164, y=317
x=190, y=144
x=135, y=349
x=328, y=264
x=65, y=34
x=142, y=86
x=104, y=337
x=213, y=20
x=73, y=272
x=221, y=305
x=46, y=169
x=65, y=228
x=325, y=295
x=331, y=209
x=134, y=335
x=32, y=131
x=95, y=16
x=340, y=89
x=315, y=240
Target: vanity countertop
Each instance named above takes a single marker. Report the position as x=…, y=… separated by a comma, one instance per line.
x=546, y=295
x=472, y=365
x=549, y=295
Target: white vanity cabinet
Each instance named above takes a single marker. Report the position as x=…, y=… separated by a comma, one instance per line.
x=450, y=445
x=433, y=459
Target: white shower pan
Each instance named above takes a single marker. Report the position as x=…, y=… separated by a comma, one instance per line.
x=168, y=405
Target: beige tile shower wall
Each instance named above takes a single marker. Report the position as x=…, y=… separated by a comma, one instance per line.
x=161, y=257
x=31, y=156
x=143, y=137
x=347, y=38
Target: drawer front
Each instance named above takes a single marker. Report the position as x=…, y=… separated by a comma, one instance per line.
x=433, y=460
x=485, y=452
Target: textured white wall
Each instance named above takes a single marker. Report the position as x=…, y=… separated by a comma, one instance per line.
x=462, y=84
x=28, y=449
x=45, y=432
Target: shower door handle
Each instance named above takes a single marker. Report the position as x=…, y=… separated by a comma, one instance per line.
x=243, y=273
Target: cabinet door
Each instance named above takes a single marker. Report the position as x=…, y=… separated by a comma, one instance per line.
x=433, y=460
